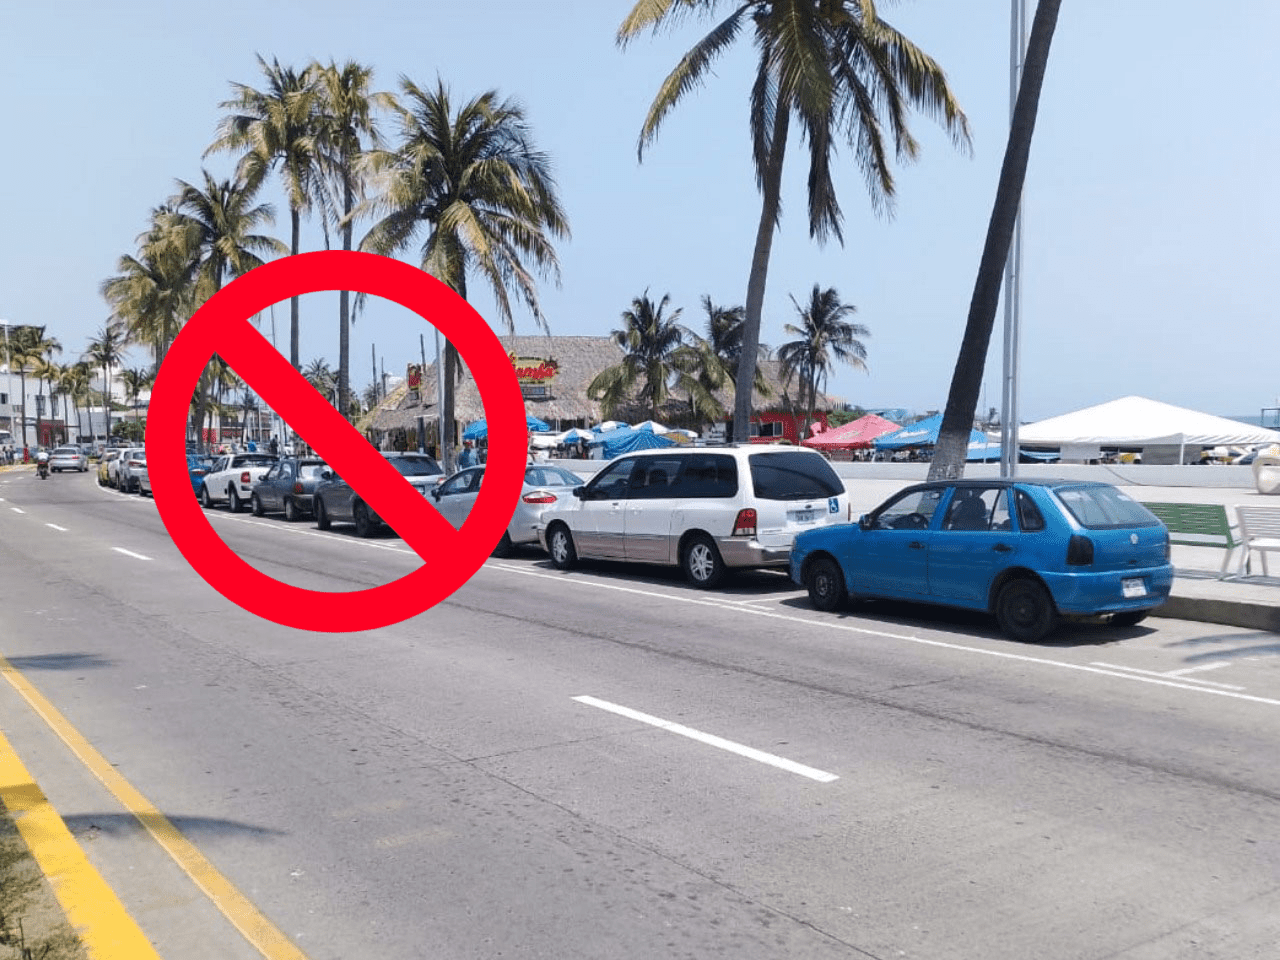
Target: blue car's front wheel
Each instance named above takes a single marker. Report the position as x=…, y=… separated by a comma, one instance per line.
x=826, y=584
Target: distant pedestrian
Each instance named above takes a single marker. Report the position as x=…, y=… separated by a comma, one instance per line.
x=468, y=456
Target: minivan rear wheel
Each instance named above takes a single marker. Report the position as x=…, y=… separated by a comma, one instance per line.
x=1025, y=611
x=703, y=565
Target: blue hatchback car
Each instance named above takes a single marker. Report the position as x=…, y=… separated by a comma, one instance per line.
x=1028, y=551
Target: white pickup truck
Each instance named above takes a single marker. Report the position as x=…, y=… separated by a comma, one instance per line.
x=231, y=478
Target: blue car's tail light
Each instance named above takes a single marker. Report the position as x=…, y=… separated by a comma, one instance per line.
x=1079, y=551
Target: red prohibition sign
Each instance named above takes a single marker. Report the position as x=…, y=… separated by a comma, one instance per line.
x=222, y=326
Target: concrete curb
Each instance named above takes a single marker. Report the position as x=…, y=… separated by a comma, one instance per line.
x=1247, y=614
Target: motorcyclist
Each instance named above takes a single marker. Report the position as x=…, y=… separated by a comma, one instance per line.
x=42, y=463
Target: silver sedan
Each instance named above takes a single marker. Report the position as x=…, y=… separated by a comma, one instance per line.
x=543, y=486
x=68, y=458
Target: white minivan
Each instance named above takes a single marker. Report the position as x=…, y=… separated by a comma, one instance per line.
x=705, y=509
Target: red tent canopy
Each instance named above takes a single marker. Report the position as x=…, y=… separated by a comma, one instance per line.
x=853, y=435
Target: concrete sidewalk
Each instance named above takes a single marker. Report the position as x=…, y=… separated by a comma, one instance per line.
x=1199, y=592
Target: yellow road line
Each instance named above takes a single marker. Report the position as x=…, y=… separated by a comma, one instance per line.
x=92, y=908
x=266, y=937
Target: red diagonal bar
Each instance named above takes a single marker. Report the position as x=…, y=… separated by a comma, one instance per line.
x=287, y=392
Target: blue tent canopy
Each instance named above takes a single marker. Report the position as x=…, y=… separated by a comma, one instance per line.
x=480, y=429
x=925, y=434
x=620, y=441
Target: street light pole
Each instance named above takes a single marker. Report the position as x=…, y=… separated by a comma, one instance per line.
x=1013, y=268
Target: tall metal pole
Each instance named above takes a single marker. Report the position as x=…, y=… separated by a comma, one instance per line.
x=444, y=438
x=422, y=373
x=1013, y=268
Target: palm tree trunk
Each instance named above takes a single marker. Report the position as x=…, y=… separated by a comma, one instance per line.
x=759, y=273
x=450, y=368
x=106, y=396
x=295, y=240
x=966, y=382
x=344, y=308
x=22, y=373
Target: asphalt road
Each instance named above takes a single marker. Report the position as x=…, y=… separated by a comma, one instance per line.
x=475, y=782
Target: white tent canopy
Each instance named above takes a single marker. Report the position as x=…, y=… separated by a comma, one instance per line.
x=1138, y=422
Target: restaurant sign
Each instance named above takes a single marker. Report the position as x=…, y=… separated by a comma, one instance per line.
x=534, y=369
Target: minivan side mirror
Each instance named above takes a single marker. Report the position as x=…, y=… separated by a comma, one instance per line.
x=864, y=522
x=327, y=474
x=580, y=492
x=435, y=493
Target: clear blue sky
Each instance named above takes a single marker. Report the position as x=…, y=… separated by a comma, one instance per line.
x=1151, y=209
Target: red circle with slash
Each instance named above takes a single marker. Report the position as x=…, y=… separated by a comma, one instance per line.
x=450, y=556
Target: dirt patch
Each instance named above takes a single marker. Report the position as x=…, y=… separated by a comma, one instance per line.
x=32, y=924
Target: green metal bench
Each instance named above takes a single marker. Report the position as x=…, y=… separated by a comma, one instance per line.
x=1199, y=525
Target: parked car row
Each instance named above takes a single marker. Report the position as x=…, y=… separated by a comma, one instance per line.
x=1028, y=552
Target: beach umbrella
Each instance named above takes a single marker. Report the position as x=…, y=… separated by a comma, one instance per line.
x=480, y=429
x=652, y=426
x=574, y=434
x=610, y=425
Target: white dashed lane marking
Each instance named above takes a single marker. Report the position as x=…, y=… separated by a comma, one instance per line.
x=751, y=753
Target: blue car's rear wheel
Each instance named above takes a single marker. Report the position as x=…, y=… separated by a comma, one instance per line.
x=1025, y=611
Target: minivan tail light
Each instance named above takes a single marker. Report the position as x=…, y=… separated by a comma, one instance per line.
x=745, y=523
x=244, y=477
x=1079, y=551
x=297, y=488
x=539, y=496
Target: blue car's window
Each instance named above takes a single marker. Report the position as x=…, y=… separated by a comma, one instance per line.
x=1103, y=507
x=1030, y=519
x=911, y=511
x=978, y=508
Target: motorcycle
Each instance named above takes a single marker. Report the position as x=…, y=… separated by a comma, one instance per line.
x=42, y=470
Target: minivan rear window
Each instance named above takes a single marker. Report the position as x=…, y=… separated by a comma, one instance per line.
x=793, y=476
x=1103, y=507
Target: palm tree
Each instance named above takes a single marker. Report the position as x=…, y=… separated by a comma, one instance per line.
x=966, y=380
x=216, y=225
x=106, y=350
x=74, y=386
x=346, y=124
x=843, y=73
x=153, y=293
x=480, y=195
x=278, y=127
x=659, y=354
x=23, y=353
x=724, y=339
x=823, y=338
x=320, y=375
x=135, y=381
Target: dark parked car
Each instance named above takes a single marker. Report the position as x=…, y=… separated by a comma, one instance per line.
x=288, y=487
x=336, y=502
x=1028, y=551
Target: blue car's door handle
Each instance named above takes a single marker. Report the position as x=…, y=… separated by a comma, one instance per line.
x=1002, y=548
x=916, y=545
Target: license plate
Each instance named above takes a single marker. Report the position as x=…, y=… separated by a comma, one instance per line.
x=1133, y=587
x=804, y=516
